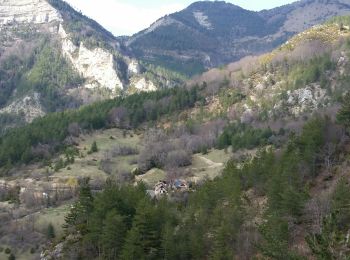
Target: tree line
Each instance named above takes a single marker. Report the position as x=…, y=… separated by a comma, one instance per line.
x=46, y=136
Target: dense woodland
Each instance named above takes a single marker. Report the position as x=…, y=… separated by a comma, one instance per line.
x=217, y=221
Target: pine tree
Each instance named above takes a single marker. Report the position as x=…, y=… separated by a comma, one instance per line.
x=50, y=233
x=93, y=148
x=113, y=233
x=77, y=218
x=220, y=250
x=133, y=247
x=145, y=234
x=322, y=245
x=275, y=243
x=341, y=204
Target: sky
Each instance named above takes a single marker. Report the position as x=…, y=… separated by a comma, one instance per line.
x=126, y=17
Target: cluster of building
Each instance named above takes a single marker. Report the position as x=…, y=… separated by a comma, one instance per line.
x=163, y=187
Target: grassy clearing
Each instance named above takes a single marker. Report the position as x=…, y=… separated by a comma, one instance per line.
x=209, y=166
x=89, y=164
x=108, y=138
x=151, y=177
x=55, y=216
x=219, y=156
x=203, y=167
x=43, y=218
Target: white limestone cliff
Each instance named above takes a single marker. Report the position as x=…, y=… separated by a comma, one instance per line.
x=29, y=106
x=96, y=66
x=145, y=85
x=27, y=11
x=134, y=68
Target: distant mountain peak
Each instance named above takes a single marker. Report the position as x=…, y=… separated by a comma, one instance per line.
x=212, y=4
x=212, y=33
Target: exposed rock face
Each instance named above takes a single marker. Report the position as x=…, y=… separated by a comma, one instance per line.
x=27, y=11
x=202, y=19
x=145, y=85
x=96, y=65
x=29, y=106
x=304, y=99
x=134, y=68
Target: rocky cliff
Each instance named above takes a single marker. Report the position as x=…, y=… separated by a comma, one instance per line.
x=96, y=66
x=27, y=11
x=37, y=36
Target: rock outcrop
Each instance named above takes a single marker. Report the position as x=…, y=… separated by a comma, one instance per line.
x=28, y=106
x=27, y=11
x=96, y=66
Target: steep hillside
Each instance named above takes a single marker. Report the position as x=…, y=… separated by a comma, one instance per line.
x=54, y=58
x=252, y=157
x=307, y=74
x=208, y=34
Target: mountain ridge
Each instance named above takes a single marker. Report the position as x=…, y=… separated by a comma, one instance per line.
x=180, y=37
x=51, y=34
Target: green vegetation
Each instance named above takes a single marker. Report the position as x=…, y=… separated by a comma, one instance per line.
x=82, y=28
x=11, y=71
x=42, y=70
x=159, y=74
x=228, y=98
x=18, y=146
x=8, y=120
x=332, y=241
x=341, y=20
x=210, y=222
x=93, y=148
x=50, y=233
x=49, y=75
x=174, y=68
x=243, y=136
x=304, y=73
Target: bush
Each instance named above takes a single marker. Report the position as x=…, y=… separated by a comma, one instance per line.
x=93, y=148
x=122, y=151
x=59, y=165
x=177, y=158
x=50, y=232
x=7, y=251
x=12, y=257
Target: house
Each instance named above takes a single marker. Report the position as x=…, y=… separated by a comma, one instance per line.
x=180, y=185
x=160, y=188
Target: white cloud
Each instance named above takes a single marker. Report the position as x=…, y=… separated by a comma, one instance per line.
x=122, y=18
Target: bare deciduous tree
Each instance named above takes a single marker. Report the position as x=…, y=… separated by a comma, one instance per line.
x=119, y=117
x=74, y=129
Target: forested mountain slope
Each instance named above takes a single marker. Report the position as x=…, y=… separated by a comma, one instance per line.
x=208, y=34
x=54, y=58
x=255, y=154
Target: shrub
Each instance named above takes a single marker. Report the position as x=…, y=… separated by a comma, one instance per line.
x=50, y=232
x=93, y=148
